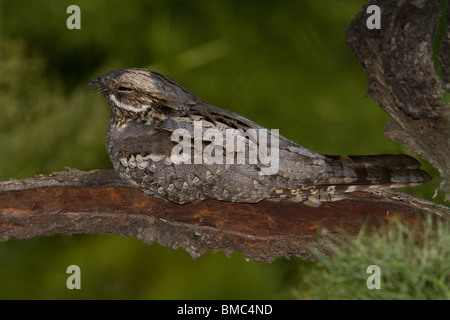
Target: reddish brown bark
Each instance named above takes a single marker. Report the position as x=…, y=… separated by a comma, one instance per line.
x=99, y=202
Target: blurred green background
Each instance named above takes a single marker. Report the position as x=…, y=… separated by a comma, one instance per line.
x=284, y=64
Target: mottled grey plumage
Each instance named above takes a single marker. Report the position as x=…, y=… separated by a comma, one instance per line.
x=146, y=107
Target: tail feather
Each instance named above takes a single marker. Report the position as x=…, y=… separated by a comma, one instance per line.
x=389, y=171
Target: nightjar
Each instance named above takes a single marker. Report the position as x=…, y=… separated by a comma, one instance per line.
x=170, y=144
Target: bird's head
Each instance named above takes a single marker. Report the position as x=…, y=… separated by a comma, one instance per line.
x=133, y=91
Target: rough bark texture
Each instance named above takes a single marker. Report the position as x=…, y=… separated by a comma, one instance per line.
x=398, y=59
x=100, y=202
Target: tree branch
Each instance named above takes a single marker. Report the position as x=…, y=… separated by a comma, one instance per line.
x=100, y=202
x=398, y=59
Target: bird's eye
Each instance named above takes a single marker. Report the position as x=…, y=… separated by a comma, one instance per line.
x=125, y=89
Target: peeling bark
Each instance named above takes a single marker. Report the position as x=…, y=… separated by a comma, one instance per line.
x=100, y=202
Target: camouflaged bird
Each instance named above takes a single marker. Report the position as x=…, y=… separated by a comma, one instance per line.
x=147, y=109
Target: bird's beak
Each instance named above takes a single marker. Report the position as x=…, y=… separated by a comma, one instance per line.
x=94, y=82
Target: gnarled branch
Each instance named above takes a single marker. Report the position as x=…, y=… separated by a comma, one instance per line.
x=398, y=59
x=100, y=202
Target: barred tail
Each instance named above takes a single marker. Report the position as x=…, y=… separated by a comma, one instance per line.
x=389, y=171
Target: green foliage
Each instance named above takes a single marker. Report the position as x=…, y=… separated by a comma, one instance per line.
x=414, y=264
x=42, y=129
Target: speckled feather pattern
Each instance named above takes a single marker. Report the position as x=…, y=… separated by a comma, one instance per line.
x=147, y=107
